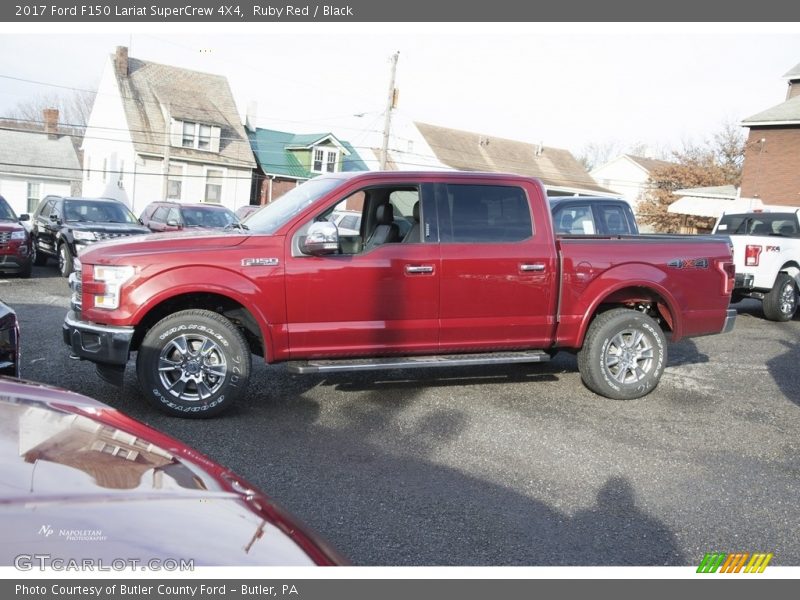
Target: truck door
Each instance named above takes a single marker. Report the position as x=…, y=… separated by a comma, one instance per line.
x=498, y=273
x=379, y=295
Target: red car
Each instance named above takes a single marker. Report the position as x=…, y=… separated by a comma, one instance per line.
x=16, y=249
x=174, y=216
x=81, y=481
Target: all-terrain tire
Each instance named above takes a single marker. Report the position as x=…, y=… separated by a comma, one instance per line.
x=780, y=303
x=193, y=364
x=623, y=355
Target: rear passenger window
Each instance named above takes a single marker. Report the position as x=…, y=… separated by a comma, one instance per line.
x=483, y=213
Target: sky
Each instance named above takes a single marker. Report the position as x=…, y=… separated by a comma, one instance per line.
x=563, y=85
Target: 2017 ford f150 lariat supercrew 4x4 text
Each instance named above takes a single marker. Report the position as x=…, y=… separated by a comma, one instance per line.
x=447, y=268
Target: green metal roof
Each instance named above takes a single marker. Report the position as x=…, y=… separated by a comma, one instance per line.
x=273, y=153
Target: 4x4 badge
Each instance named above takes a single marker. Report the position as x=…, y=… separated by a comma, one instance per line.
x=260, y=262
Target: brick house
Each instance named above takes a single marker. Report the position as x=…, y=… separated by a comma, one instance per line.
x=771, y=171
x=285, y=160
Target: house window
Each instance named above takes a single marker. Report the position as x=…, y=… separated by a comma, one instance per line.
x=174, y=182
x=88, y=168
x=325, y=160
x=33, y=197
x=188, y=134
x=121, y=173
x=204, y=137
x=214, y=186
x=105, y=169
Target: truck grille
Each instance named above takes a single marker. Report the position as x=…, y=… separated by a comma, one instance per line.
x=107, y=235
x=5, y=237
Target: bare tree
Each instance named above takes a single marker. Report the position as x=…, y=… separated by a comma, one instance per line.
x=712, y=163
x=74, y=108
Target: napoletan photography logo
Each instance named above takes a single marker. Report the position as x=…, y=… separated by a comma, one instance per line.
x=73, y=535
x=740, y=562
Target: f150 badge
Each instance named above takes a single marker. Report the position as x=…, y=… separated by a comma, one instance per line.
x=688, y=263
x=260, y=262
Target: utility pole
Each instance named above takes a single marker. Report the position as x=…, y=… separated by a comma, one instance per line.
x=390, y=104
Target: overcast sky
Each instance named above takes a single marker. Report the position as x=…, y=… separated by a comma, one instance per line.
x=564, y=85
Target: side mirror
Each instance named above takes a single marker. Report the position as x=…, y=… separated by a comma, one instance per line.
x=322, y=239
x=24, y=217
x=54, y=218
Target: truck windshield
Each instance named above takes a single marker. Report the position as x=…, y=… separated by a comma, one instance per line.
x=780, y=224
x=273, y=216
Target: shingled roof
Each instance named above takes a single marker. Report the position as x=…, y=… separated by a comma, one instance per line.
x=151, y=90
x=469, y=151
x=783, y=114
x=649, y=164
x=35, y=153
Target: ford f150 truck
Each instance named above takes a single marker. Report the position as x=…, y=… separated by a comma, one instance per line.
x=766, y=252
x=446, y=269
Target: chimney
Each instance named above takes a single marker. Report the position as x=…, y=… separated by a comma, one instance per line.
x=250, y=119
x=121, y=61
x=51, y=122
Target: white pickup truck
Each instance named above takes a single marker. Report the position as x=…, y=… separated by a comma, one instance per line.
x=766, y=251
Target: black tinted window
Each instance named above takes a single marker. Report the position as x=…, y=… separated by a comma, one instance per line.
x=483, y=213
x=779, y=224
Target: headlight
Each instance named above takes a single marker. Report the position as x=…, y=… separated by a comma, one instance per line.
x=18, y=235
x=113, y=278
x=84, y=236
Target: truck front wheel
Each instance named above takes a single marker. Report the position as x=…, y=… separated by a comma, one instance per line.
x=780, y=303
x=193, y=364
x=623, y=355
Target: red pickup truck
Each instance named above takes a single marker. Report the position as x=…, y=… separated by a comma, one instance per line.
x=447, y=268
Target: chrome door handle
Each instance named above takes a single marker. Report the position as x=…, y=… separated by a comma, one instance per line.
x=419, y=268
x=535, y=267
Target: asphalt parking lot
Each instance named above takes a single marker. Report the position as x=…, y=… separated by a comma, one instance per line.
x=517, y=465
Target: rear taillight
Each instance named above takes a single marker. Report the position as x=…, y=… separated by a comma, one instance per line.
x=752, y=254
x=729, y=276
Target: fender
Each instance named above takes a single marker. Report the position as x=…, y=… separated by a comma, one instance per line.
x=576, y=317
x=259, y=300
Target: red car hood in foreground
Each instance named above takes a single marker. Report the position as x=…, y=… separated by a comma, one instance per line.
x=79, y=479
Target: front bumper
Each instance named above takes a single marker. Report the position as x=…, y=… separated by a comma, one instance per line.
x=101, y=344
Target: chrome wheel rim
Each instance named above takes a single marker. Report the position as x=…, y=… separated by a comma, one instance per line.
x=62, y=259
x=629, y=356
x=192, y=367
x=788, y=299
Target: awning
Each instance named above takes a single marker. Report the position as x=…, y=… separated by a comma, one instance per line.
x=700, y=206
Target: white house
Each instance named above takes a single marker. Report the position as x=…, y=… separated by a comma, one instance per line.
x=37, y=162
x=628, y=176
x=161, y=132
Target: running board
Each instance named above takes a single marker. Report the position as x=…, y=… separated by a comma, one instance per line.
x=416, y=362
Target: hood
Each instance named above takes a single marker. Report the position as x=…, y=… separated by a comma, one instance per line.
x=11, y=226
x=78, y=478
x=182, y=242
x=109, y=227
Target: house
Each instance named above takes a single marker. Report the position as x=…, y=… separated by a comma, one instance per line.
x=162, y=132
x=37, y=161
x=285, y=160
x=628, y=176
x=558, y=169
x=771, y=170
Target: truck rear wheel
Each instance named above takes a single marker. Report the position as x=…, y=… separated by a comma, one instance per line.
x=193, y=364
x=623, y=355
x=780, y=303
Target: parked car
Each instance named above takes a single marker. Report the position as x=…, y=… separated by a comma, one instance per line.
x=347, y=221
x=64, y=226
x=592, y=215
x=82, y=481
x=245, y=211
x=174, y=216
x=9, y=341
x=16, y=250
x=766, y=250
x=470, y=284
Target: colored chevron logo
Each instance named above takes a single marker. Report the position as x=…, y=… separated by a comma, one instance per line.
x=743, y=562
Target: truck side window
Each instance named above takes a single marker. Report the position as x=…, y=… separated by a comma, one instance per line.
x=614, y=220
x=483, y=213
